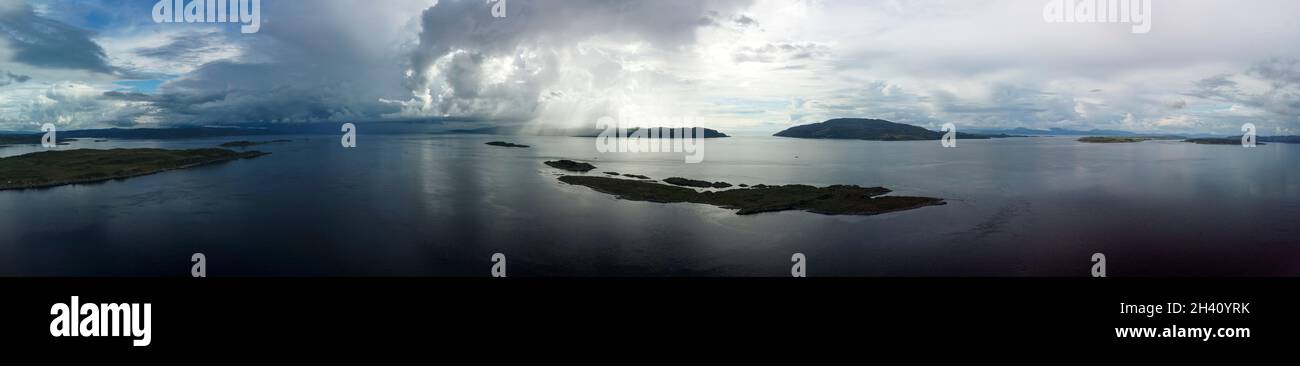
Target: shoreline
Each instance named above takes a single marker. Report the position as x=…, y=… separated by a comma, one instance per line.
x=226, y=156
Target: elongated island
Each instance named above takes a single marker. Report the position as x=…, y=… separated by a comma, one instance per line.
x=63, y=167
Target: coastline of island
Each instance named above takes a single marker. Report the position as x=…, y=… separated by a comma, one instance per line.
x=873, y=130
x=830, y=200
x=746, y=200
x=55, y=168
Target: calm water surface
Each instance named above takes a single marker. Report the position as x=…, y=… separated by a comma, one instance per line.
x=440, y=205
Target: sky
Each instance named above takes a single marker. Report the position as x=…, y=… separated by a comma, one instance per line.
x=745, y=66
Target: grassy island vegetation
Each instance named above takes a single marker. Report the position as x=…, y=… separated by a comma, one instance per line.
x=832, y=200
x=62, y=167
x=696, y=183
x=872, y=129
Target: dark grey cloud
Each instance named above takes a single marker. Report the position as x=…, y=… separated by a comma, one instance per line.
x=43, y=42
x=1177, y=104
x=306, y=64
x=535, y=34
x=11, y=78
x=188, y=47
x=743, y=20
x=1281, y=72
x=231, y=92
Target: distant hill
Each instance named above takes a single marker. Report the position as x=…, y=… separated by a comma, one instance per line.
x=483, y=131
x=1279, y=139
x=1051, y=132
x=666, y=132
x=1235, y=140
x=870, y=129
x=166, y=133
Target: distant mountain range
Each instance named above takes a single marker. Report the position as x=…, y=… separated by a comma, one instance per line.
x=882, y=130
x=576, y=132
x=872, y=129
x=1053, y=132
x=167, y=133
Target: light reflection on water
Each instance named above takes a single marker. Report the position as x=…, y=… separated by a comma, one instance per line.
x=421, y=204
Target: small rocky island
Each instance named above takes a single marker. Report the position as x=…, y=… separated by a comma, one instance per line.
x=63, y=167
x=571, y=165
x=832, y=200
x=505, y=144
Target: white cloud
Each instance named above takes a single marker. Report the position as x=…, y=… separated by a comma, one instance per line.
x=732, y=64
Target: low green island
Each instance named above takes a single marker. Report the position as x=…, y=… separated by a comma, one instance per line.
x=506, y=144
x=63, y=167
x=1112, y=139
x=1218, y=141
x=28, y=139
x=832, y=200
x=245, y=144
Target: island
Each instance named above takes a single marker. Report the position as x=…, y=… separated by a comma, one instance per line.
x=832, y=200
x=571, y=165
x=245, y=144
x=637, y=176
x=62, y=167
x=1111, y=139
x=665, y=132
x=506, y=144
x=29, y=139
x=1219, y=141
x=668, y=132
x=662, y=132
x=870, y=129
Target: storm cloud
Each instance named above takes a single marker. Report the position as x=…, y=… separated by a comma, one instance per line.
x=39, y=41
x=758, y=65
